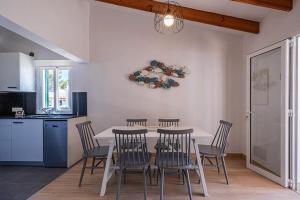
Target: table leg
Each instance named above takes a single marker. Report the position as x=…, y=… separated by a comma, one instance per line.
x=200, y=168
x=106, y=175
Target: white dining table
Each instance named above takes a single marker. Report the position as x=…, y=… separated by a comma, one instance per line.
x=106, y=138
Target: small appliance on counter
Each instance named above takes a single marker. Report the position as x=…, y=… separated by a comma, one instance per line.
x=19, y=112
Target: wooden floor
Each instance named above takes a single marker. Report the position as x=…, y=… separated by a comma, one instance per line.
x=244, y=185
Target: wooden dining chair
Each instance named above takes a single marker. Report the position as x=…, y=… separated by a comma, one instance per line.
x=140, y=122
x=134, y=122
x=168, y=122
x=178, y=157
x=217, y=149
x=91, y=148
x=132, y=153
x=163, y=123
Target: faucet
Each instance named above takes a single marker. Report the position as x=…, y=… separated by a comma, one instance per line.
x=48, y=111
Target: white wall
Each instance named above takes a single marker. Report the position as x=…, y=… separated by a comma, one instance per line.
x=79, y=77
x=123, y=40
x=277, y=26
x=64, y=23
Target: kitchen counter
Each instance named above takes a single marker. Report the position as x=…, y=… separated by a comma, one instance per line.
x=46, y=117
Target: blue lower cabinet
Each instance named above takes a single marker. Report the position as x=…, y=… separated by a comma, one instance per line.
x=27, y=140
x=5, y=140
x=55, y=143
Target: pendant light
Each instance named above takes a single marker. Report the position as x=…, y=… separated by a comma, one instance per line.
x=169, y=19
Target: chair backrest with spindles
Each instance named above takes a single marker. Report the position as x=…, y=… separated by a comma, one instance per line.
x=131, y=146
x=221, y=137
x=168, y=122
x=87, y=134
x=179, y=153
x=140, y=122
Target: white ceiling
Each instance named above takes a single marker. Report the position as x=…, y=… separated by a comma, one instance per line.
x=227, y=7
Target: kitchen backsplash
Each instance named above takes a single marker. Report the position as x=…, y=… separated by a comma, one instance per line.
x=26, y=100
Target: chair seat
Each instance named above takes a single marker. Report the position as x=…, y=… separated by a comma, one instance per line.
x=209, y=150
x=168, y=159
x=100, y=151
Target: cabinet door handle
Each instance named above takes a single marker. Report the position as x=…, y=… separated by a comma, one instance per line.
x=11, y=87
x=18, y=122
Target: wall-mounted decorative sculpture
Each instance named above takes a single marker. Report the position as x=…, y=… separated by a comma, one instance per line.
x=158, y=75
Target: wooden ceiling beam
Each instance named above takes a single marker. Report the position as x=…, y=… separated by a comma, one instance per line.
x=192, y=15
x=285, y=5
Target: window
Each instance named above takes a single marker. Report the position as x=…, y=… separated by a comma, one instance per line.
x=54, y=89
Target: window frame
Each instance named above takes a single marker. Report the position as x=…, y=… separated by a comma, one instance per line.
x=39, y=90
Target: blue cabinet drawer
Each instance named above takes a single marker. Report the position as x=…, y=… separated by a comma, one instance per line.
x=5, y=140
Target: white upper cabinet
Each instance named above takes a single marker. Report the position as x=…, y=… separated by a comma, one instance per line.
x=16, y=72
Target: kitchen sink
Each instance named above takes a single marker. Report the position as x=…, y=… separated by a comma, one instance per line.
x=48, y=116
x=37, y=116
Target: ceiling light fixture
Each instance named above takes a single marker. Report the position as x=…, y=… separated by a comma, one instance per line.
x=169, y=19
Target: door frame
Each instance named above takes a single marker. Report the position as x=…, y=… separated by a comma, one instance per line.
x=283, y=180
x=295, y=159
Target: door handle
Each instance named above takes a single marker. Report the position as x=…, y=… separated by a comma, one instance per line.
x=18, y=122
x=248, y=114
x=12, y=87
x=54, y=126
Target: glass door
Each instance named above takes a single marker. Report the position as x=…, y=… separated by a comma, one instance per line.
x=268, y=106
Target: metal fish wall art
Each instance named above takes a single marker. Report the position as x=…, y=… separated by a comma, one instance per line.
x=158, y=75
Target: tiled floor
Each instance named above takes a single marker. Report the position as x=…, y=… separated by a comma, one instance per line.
x=19, y=183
